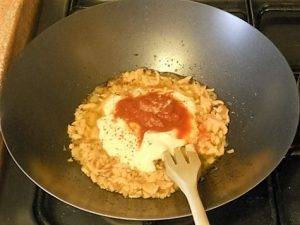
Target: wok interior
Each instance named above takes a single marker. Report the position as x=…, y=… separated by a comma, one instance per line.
x=65, y=63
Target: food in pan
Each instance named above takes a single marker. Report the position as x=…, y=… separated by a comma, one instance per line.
x=121, y=131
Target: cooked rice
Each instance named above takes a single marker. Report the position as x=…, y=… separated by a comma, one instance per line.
x=108, y=172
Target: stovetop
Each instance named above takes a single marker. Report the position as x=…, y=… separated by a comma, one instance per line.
x=275, y=201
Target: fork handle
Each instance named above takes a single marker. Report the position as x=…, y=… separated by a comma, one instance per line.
x=198, y=211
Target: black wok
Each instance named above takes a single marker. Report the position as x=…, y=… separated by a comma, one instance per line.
x=65, y=63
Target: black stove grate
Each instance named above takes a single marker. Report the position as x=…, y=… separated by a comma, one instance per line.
x=236, y=7
x=275, y=201
x=281, y=23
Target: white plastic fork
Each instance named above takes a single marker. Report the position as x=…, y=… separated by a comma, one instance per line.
x=184, y=170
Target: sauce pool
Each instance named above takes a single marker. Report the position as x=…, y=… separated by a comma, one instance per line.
x=155, y=112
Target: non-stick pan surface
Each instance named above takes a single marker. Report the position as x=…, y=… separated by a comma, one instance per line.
x=66, y=62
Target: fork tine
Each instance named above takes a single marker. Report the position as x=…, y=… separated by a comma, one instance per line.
x=179, y=157
x=168, y=158
x=190, y=148
x=193, y=157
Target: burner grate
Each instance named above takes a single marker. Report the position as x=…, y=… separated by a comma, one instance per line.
x=236, y=7
x=287, y=195
x=271, y=18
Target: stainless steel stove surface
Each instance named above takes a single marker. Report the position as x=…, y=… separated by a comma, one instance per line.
x=275, y=201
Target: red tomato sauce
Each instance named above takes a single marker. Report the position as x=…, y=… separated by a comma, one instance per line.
x=155, y=112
